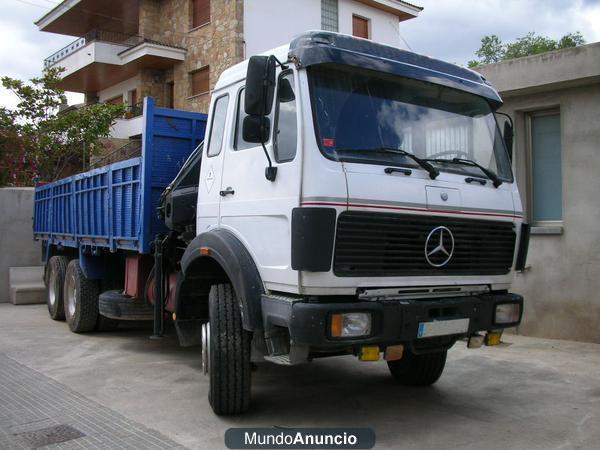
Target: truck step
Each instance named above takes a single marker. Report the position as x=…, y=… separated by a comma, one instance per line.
x=283, y=360
x=116, y=305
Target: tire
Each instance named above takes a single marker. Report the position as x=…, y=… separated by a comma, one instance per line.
x=104, y=323
x=228, y=353
x=55, y=270
x=80, y=299
x=115, y=305
x=418, y=370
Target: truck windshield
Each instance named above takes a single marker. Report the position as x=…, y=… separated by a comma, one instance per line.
x=360, y=113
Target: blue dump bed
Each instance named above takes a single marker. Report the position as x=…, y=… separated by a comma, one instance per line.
x=115, y=206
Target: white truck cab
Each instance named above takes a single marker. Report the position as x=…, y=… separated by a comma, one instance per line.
x=354, y=198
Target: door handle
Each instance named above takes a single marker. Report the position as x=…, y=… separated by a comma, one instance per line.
x=227, y=192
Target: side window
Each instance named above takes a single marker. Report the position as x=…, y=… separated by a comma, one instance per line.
x=238, y=138
x=217, y=129
x=239, y=143
x=286, y=134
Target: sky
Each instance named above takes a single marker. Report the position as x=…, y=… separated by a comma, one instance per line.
x=446, y=29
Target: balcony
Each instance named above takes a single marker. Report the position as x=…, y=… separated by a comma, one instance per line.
x=103, y=58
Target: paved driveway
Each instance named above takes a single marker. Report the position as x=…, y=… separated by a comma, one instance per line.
x=534, y=393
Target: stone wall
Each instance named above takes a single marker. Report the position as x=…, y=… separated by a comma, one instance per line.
x=218, y=44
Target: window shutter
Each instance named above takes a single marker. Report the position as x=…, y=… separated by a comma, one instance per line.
x=201, y=12
x=201, y=81
x=360, y=27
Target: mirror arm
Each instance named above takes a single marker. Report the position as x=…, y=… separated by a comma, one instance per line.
x=282, y=65
x=270, y=172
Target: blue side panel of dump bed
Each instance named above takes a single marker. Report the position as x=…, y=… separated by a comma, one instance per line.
x=115, y=206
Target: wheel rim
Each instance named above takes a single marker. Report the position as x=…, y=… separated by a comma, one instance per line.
x=52, y=289
x=71, y=289
x=205, y=347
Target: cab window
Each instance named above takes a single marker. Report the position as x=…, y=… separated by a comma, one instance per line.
x=217, y=128
x=285, y=138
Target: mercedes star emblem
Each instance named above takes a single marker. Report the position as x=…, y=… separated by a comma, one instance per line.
x=439, y=247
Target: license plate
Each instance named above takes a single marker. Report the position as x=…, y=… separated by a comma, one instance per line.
x=442, y=328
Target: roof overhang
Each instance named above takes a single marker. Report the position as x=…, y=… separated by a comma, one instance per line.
x=100, y=66
x=77, y=17
x=545, y=72
x=403, y=10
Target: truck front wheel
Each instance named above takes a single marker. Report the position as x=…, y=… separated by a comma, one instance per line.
x=55, y=274
x=227, y=353
x=80, y=299
x=418, y=370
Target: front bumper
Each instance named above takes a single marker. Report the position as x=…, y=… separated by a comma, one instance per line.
x=393, y=321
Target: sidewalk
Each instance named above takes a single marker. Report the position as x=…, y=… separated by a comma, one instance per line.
x=123, y=388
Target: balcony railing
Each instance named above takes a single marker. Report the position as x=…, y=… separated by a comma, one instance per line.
x=132, y=111
x=94, y=35
x=129, y=150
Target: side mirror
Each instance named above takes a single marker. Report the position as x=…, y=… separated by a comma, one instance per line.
x=258, y=102
x=256, y=129
x=260, y=85
x=508, y=138
x=285, y=91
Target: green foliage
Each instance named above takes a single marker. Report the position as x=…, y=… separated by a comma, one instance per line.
x=38, y=141
x=493, y=50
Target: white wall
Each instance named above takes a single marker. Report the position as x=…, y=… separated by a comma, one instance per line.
x=16, y=234
x=99, y=52
x=125, y=128
x=120, y=88
x=271, y=23
x=384, y=27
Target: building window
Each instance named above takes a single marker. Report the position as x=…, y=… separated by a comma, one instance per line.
x=200, y=13
x=329, y=15
x=200, y=81
x=217, y=128
x=360, y=27
x=545, y=168
x=285, y=138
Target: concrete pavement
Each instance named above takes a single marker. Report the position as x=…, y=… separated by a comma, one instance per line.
x=535, y=393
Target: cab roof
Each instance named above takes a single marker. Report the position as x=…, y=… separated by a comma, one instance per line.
x=323, y=47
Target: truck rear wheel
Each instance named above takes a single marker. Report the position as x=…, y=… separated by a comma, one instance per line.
x=227, y=353
x=55, y=275
x=80, y=299
x=418, y=370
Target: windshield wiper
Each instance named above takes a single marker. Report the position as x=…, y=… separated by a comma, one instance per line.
x=433, y=172
x=469, y=162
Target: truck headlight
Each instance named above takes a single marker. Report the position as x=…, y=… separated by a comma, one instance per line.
x=507, y=313
x=352, y=324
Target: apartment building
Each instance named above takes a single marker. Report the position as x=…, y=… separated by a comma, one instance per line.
x=175, y=50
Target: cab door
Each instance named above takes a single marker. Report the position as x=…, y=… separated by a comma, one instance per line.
x=211, y=169
x=256, y=210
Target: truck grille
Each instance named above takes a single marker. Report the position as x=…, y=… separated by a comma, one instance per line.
x=383, y=244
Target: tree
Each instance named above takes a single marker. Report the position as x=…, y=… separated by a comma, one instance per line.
x=37, y=138
x=492, y=49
